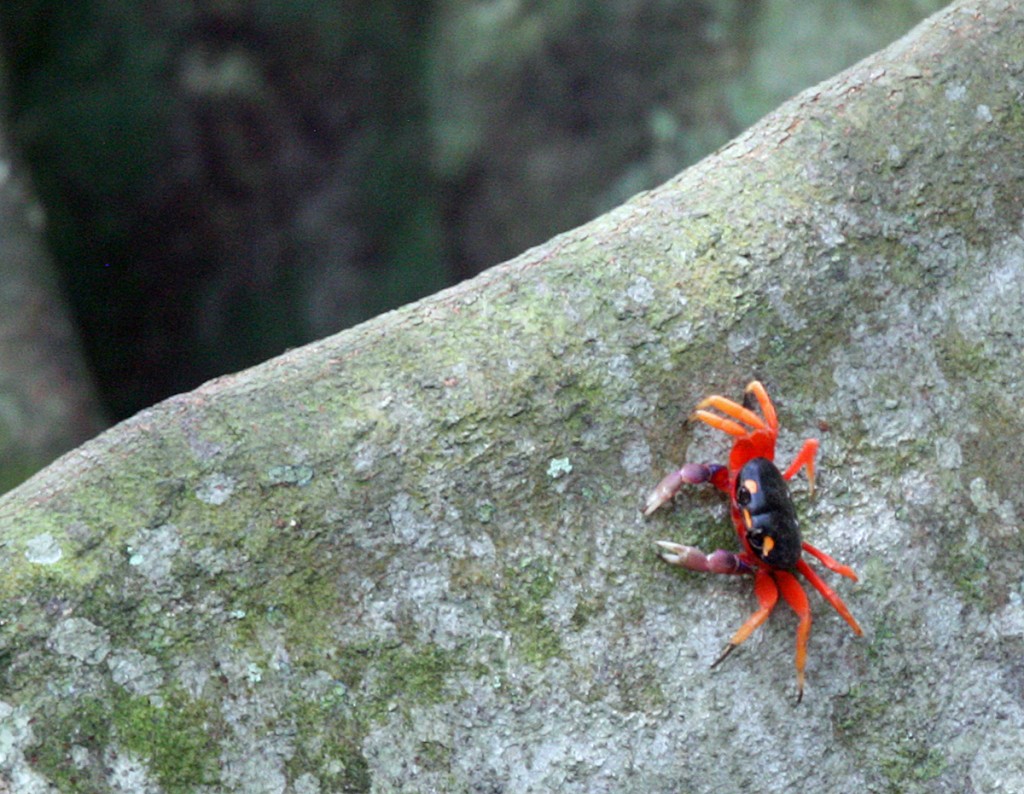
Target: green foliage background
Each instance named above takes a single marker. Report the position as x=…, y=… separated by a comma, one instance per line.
x=225, y=180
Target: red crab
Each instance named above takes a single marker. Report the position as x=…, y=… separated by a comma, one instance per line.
x=765, y=519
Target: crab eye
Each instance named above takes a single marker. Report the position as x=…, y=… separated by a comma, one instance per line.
x=743, y=495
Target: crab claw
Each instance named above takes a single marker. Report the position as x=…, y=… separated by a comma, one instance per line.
x=690, y=474
x=694, y=559
x=683, y=556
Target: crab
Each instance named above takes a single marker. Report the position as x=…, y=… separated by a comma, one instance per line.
x=765, y=519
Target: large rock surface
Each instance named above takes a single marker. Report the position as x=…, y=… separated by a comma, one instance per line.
x=410, y=557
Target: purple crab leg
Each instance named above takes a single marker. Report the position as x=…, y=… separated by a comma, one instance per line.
x=690, y=474
x=692, y=558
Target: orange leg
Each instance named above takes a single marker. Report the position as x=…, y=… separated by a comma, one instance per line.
x=828, y=562
x=756, y=388
x=735, y=410
x=720, y=423
x=795, y=596
x=744, y=424
x=828, y=594
x=804, y=458
x=767, y=594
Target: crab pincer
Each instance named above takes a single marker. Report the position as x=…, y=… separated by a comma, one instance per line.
x=672, y=483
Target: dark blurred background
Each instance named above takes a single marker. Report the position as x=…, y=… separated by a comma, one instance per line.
x=217, y=181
